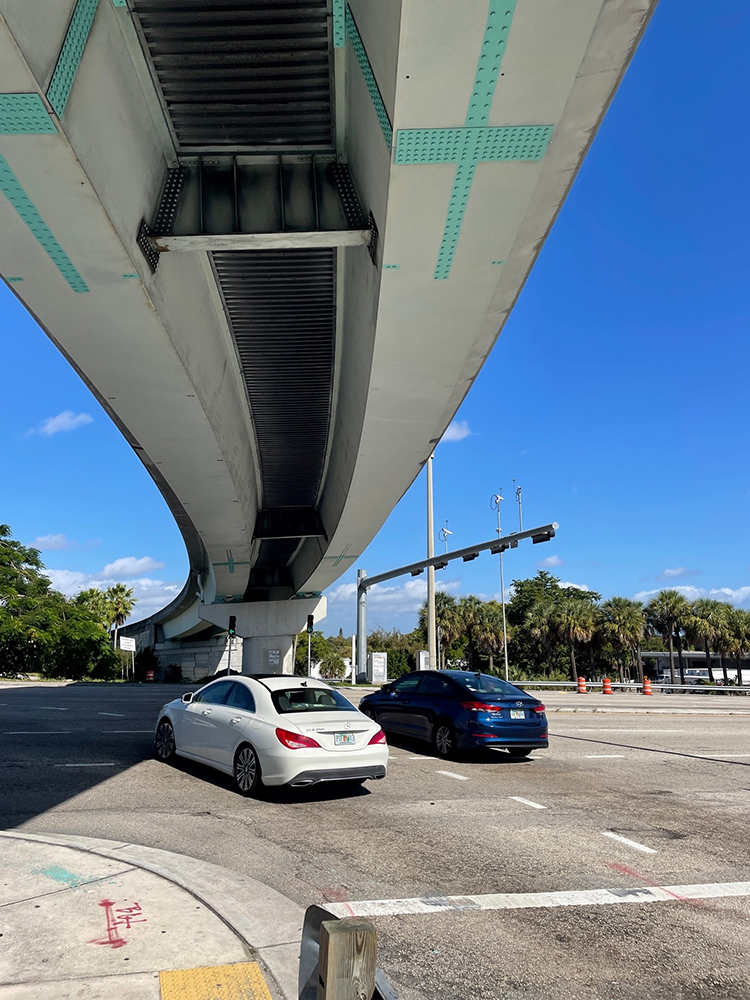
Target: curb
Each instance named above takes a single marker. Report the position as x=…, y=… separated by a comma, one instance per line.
x=266, y=921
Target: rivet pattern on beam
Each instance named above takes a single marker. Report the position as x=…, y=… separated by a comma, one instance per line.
x=70, y=54
x=367, y=73
x=19, y=199
x=339, y=24
x=490, y=58
x=24, y=114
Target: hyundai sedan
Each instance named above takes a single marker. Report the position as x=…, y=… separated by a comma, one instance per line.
x=273, y=730
x=459, y=710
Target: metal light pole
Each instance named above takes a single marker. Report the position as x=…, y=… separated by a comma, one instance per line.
x=431, y=650
x=495, y=502
x=361, y=667
x=517, y=491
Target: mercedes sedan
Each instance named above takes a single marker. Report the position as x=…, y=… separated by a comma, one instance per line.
x=459, y=710
x=273, y=730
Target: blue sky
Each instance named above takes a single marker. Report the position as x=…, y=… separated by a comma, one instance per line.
x=617, y=396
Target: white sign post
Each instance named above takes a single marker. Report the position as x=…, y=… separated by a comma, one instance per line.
x=128, y=643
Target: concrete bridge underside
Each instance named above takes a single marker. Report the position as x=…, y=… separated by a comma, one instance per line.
x=279, y=239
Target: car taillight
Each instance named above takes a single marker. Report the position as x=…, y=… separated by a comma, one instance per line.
x=379, y=737
x=295, y=741
x=538, y=708
x=479, y=706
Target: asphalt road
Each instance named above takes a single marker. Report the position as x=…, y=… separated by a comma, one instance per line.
x=620, y=801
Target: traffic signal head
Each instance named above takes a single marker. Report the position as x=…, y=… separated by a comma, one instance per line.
x=232, y=624
x=310, y=624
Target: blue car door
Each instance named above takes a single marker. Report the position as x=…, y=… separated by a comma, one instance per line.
x=395, y=714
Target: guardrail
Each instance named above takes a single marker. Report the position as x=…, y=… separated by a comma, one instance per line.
x=636, y=687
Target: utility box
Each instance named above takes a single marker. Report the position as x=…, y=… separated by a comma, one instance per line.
x=423, y=660
x=377, y=668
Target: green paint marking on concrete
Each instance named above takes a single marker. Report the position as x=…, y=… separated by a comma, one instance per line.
x=391, y=267
x=12, y=280
x=71, y=54
x=372, y=83
x=14, y=192
x=24, y=114
x=119, y=3
x=339, y=24
x=135, y=275
x=476, y=142
x=491, y=55
x=497, y=262
x=62, y=876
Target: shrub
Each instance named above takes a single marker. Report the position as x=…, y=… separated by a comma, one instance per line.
x=332, y=668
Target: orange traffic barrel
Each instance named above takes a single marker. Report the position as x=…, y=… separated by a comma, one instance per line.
x=606, y=686
x=582, y=685
x=646, y=686
x=149, y=675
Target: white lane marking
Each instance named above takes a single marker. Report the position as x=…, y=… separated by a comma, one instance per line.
x=111, y=732
x=115, y=715
x=532, y=900
x=52, y=708
x=85, y=765
x=417, y=757
x=526, y=802
x=630, y=843
x=38, y=732
x=720, y=753
x=603, y=756
x=450, y=774
x=608, y=730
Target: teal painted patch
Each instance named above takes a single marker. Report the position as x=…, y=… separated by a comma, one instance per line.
x=62, y=876
x=497, y=262
x=456, y=208
x=491, y=55
x=472, y=145
x=339, y=23
x=119, y=3
x=13, y=280
x=136, y=275
x=70, y=54
x=372, y=84
x=11, y=188
x=24, y=114
x=391, y=267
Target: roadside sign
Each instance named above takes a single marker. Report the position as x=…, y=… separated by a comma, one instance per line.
x=127, y=643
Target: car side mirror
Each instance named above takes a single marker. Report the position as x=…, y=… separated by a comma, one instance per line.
x=386, y=687
x=187, y=697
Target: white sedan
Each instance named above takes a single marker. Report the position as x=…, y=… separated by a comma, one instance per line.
x=273, y=730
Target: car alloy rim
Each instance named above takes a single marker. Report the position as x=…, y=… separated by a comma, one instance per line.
x=164, y=740
x=246, y=769
x=443, y=739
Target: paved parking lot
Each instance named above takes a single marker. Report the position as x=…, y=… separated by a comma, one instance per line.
x=461, y=850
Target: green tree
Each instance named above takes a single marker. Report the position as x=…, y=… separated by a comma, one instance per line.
x=705, y=625
x=320, y=649
x=538, y=625
x=98, y=604
x=446, y=619
x=470, y=615
x=622, y=622
x=667, y=613
x=332, y=667
x=573, y=621
x=21, y=569
x=489, y=632
x=121, y=603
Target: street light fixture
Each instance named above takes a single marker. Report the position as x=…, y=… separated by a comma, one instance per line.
x=495, y=502
x=444, y=534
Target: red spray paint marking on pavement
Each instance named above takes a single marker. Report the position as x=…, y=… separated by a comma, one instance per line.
x=642, y=878
x=124, y=916
x=336, y=896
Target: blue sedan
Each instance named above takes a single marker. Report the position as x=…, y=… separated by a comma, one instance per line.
x=459, y=710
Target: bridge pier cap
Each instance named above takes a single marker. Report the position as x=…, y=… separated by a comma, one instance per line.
x=268, y=629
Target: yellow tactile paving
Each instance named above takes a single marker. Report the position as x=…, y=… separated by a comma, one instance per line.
x=241, y=981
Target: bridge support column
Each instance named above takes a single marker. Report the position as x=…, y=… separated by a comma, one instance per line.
x=268, y=630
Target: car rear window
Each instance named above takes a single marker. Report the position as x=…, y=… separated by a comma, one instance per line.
x=312, y=699
x=488, y=685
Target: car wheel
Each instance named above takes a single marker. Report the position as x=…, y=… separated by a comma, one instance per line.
x=246, y=770
x=519, y=751
x=444, y=739
x=369, y=713
x=164, y=742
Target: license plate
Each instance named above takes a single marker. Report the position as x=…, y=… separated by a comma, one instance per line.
x=343, y=739
x=517, y=713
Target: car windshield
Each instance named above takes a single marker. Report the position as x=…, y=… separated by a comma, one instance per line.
x=489, y=686
x=311, y=699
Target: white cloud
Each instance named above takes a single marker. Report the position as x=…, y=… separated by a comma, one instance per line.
x=50, y=543
x=457, y=430
x=736, y=595
x=65, y=421
x=150, y=595
x=677, y=573
x=578, y=586
x=67, y=581
x=402, y=598
x=130, y=566
x=549, y=562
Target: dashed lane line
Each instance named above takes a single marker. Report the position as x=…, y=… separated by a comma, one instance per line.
x=629, y=843
x=37, y=732
x=114, y=715
x=52, y=708
x=450, y=774
x=119, y=732
x=603, y=756
x=588, y=729
x=526, y=802
x=86, y=765
x=534, y=900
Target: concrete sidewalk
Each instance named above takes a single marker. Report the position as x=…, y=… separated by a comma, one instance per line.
x=103, y=920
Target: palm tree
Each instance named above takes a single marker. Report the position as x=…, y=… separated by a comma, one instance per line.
x=707, y=624
x=470, y=611
x=538, y=621
x=97, y=603
x=623, y=623
x=489, y=632
x=446, y=619
x=667, y=613
x=573, y=621
x=121, y=603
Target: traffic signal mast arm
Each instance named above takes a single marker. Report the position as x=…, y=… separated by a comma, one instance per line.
x=542, y=534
